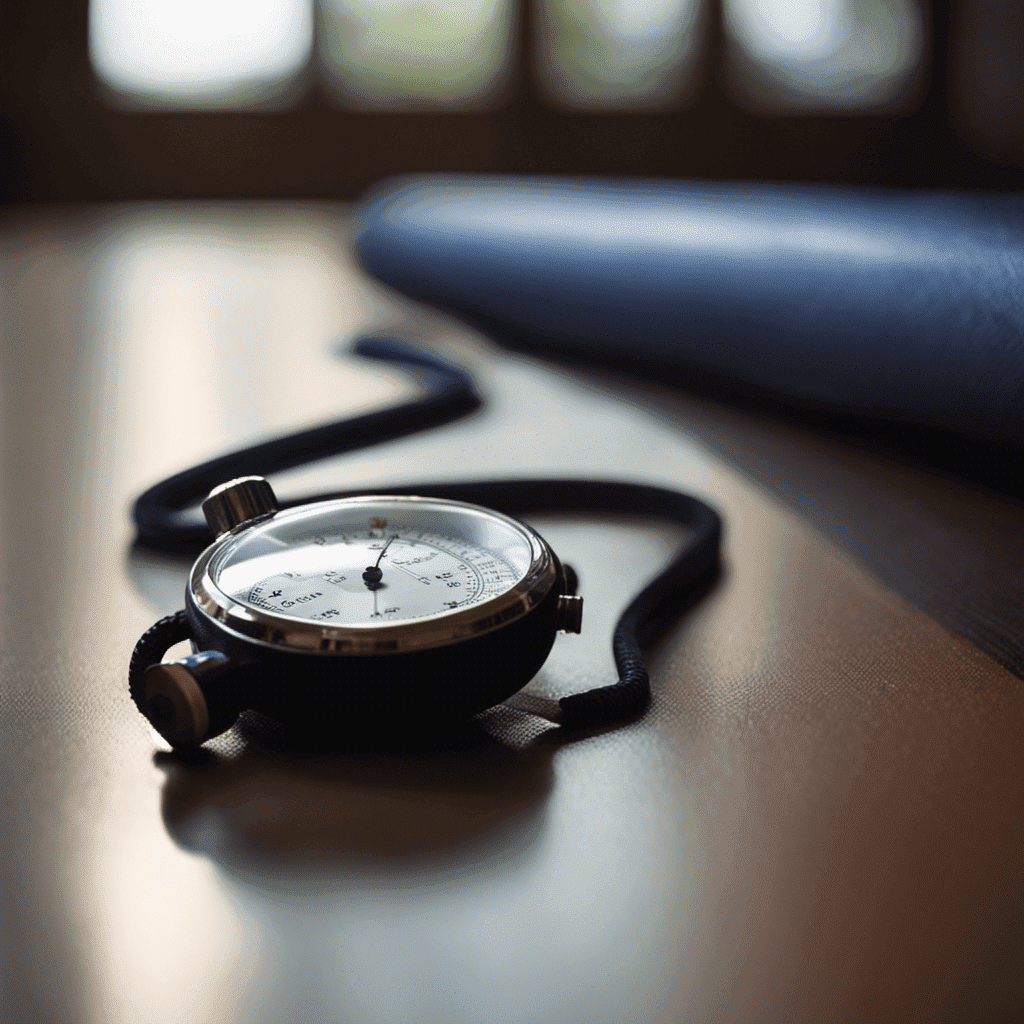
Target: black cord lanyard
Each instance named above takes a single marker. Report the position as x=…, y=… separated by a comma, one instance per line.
x=164, y=523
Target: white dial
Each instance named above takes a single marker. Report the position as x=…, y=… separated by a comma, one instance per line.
x=374, y=562
x=362, y=575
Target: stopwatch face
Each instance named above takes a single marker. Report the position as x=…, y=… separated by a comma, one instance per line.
x=382, y=565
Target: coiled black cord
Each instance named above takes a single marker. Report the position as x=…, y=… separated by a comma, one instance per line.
x=164, y=525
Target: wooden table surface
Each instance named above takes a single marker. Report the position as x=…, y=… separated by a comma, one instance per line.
x=819, y=819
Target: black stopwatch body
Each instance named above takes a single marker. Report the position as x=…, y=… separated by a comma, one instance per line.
x=356, y=694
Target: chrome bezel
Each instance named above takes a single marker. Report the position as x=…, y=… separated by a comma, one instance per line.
x=282, y=633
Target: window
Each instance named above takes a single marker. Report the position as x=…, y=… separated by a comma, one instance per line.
x=202, y=53
x=841, y=54
x=162, y=99
x=459, y=54
x=416, y=54
x=617, y=54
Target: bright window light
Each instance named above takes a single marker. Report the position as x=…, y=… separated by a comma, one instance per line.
x=414, y=54
x=608, y=54
x=202, y=53
x=844, y=54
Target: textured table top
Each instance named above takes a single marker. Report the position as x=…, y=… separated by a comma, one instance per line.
x=818, y=819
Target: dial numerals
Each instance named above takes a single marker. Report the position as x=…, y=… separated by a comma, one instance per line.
x=372, y=574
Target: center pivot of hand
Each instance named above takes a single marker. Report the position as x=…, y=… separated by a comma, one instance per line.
x=373, y=573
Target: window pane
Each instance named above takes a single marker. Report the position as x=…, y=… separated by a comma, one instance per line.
x=206, y=53
x=413, y=54
x=609, y=54
x=842, y=54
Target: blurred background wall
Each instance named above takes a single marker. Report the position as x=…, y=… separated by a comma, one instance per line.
x=111, y=99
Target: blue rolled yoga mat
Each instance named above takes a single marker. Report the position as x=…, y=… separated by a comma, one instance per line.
x=907, y=306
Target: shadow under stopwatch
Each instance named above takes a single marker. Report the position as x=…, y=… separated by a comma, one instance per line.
x=257, y=799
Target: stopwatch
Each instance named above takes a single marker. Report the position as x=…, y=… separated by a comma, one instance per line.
x=369, y=612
